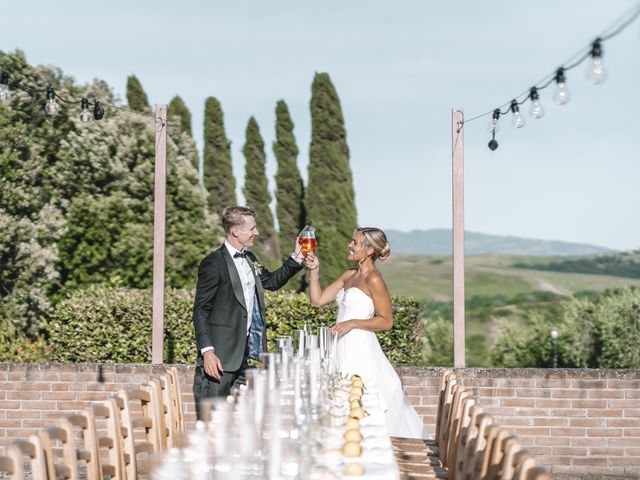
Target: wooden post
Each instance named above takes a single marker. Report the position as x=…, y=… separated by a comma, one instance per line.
x=159, y=217
x=457, y=155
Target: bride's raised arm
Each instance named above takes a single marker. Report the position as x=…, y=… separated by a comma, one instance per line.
x=317, y=295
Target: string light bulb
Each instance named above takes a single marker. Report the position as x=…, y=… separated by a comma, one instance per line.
x=51, y=107
x=596, y=70
x=98, y=111
x=561, y=97
x=493, y=128
x=536, y=110
x=85, y=114
x=5, y=93
x=517, y=120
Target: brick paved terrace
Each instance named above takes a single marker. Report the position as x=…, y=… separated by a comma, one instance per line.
x=579, y=423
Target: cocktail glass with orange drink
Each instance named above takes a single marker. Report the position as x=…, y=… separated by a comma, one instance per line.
x=307, y=239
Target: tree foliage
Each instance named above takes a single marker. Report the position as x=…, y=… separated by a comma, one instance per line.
x=76, y=200
x=599, y=332
x=289, y=187
x=177, y=109
x=256, y=194
x=218, y=178
x=330, y=199
x=136, y=97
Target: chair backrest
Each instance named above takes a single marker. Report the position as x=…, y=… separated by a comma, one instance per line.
x=515, y=466
x=538, y=473
x=110, y=440
x=443, y=418
x=476, y=448
x=493, y=453
x=12, y=463
x=444, y=384
x=455, y=412
x=87, y=447
x=466, y=439
x=139, y=412
x=176, y=395
x=169, y=415
x=56, y=440
x=461, y=422
x=33, y=451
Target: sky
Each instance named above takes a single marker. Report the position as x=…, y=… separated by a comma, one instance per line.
x=399, y=69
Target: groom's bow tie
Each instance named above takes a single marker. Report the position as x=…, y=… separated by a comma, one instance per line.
x=239, y=255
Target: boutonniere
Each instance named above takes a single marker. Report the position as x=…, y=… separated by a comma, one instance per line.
x=257, y=267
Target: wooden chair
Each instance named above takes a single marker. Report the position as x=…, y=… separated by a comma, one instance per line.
x=173, y=425
x=460, y=424
x=476, y=448
x=140, y=412
x=466, y=439
x=537, y=473
x=83, y=425
x=176, y=397
x=450, y=434
x=488, y=464
x=110, y=441
x=516, y=466
x=55, y=440
x=12, y=463
x=32, y=450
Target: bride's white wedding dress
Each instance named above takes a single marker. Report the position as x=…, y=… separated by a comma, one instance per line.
x=359, y=353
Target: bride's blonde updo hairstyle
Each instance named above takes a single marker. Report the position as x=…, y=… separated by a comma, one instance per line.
x=375, y=239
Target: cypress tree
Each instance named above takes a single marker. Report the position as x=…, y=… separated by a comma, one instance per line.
x=330, y=199
x=136, y=97
x=218, y=178
x=177, y=108
x=289, y=188
x=256, y=193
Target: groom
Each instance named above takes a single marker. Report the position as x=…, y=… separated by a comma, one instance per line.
x=228, y=313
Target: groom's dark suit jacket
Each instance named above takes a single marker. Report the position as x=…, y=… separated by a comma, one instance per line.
x=220, y=313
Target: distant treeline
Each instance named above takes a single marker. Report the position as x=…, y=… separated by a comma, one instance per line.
x=619, y=265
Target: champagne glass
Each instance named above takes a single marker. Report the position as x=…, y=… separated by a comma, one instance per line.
x=307, y=239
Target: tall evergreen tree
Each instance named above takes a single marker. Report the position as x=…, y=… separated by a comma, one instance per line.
x=289, y=187
x=330, y=199
x=256, y=193
x=136, y=97
x=219, y=181
x=178, y=109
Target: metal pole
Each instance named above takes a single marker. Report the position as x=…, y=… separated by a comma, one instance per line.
x=457, y=149
x=159, y=217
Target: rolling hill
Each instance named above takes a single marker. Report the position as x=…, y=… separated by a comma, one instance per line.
x=438, y=241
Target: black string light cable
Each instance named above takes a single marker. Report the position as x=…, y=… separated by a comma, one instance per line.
x=89, y=110
x=561, y=96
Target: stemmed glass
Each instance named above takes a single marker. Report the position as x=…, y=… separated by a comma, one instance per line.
x=307, y=239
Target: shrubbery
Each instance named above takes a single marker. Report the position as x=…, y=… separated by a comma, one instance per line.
x=599, y=332
x=106, y=324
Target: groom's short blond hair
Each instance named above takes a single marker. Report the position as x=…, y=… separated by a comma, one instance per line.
x=234, y=217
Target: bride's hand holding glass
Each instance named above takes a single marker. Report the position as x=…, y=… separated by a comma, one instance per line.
x=311, y=261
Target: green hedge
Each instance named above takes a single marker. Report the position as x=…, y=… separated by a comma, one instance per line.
x=106, y=324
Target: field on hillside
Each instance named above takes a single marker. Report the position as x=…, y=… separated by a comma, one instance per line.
x=495, y=291
x=429, y=278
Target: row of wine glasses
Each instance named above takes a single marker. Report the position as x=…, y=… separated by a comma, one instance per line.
x=267, y=428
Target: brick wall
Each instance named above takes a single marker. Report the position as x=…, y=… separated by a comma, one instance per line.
x=574, y=421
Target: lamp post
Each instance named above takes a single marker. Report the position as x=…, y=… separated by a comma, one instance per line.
x=554, y=341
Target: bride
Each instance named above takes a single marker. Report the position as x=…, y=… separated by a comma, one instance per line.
x=364, y=307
